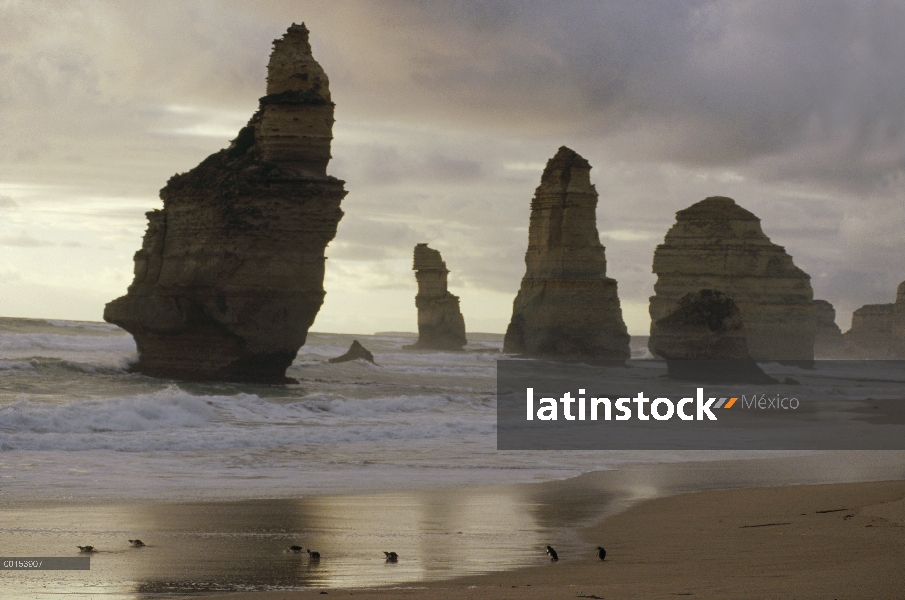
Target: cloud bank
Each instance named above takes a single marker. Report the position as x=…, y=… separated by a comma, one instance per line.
x=446, y=113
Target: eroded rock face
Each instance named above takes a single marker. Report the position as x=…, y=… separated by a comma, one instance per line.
x=566, y=307
x=828, y=341
x=440, y=322
x=706, y=325
x=230, y=275
x=878, y=330
x=716, y=244
x=703, y=340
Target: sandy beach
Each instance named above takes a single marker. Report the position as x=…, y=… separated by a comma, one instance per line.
x=815, y=541
x=819, y=526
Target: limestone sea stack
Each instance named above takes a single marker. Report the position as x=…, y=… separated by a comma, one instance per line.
x=566, y=308
x=828, y=340
x=703, y=339
x=878, y=330
x=440, y=322
x=718, y=245
x=230, y=275
x=706, y=325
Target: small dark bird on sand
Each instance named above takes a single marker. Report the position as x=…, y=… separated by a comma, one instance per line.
x=137, y=543
x=553, y=555
x=391, y=556
x=296, y=549
x=313, y=555
x=86, y=548
x=601, y=553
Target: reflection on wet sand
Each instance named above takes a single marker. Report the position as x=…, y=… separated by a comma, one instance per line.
x=438, y=534
x=219, y=546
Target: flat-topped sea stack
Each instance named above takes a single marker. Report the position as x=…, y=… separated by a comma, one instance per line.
x=717, y=245
x=566, y=308
x=440, y=322
x=878, y=330
x=230, y=275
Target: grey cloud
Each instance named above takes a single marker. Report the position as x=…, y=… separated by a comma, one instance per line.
x=7, y=203
x=384, y=164
x=797, y=110
x=698, y=83
x=23, y=240
x=371, y=240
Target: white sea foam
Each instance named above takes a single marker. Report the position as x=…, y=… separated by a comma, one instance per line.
x=74, y=424
x=174, y=420
x=16, y=366
x=35, y=343
x=171, y=408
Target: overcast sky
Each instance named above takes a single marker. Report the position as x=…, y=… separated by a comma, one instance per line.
x=446, y=113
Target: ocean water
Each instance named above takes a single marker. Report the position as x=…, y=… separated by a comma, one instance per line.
x=76, y=425
x=219, y=479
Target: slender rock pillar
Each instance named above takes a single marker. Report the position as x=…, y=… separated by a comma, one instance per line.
x=230, y=275
x=440, y=322
x=567, y=307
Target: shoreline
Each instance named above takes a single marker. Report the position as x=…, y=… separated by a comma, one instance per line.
x=797, y=541
x=447, y=539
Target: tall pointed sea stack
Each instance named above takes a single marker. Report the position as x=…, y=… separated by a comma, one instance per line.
x=230, y=275
x=440, y=322
x=718, y=245
x=567, y=307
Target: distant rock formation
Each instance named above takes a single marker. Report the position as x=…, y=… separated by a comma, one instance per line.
x=716, y=244
x=703, y=339
x=878, y=330
x=440, y=322
x=828, y=340
x=230, y=275
x=355, y=352
x=566, y=307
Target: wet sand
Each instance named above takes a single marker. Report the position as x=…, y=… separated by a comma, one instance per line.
x=660, y=544
x=822, y=541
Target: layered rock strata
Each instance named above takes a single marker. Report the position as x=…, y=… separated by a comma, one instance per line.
x=230, y=275
x=878, y=330
x=703, y=339
x=828, y=340
x=440, y=322
x=716, y=244
x=567, y=307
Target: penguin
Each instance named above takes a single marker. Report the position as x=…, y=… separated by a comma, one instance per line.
x=137, y=543
x=313, y=555
x=391, y=556
x=296, y=549
x=86, y=548
x=553, y=555
x=601, y=553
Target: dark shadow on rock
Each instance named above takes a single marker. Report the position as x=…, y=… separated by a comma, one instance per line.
x=703, y=339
